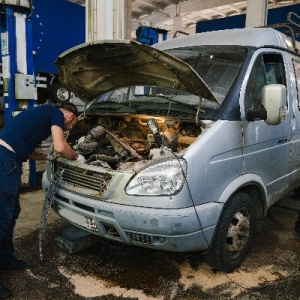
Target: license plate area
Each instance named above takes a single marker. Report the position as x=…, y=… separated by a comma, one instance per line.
x=83, y=221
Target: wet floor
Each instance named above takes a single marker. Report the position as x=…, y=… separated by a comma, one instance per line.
x=271, y=270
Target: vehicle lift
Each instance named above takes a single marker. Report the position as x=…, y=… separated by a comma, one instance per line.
x=19, y=88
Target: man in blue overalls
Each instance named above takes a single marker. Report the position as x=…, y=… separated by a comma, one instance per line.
x=18, y=139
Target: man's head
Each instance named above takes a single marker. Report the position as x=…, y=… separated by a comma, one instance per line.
x=70, y=114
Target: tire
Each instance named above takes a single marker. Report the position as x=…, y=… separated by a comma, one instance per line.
x=42, y=96
x=59, y=94
x=233, y=234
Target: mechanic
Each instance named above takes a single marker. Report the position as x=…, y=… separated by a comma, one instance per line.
x=18, y=140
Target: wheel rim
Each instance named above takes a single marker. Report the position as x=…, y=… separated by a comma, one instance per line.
x=238, y=233
x=62, y=94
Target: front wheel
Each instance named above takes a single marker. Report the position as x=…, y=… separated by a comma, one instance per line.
x=233, y=234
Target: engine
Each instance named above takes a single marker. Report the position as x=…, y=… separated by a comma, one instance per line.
x=111, y=142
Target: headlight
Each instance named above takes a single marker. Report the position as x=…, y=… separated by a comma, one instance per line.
x=165, y=178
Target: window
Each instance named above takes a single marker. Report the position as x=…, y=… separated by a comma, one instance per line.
x=267, y=69
x=296, y=64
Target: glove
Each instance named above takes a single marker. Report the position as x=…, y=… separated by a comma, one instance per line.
x=80, y=159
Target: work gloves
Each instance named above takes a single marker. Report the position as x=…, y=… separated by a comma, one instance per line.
x=80, y=159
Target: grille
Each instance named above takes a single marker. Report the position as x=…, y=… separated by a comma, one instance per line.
x=85, y=207
x=139, y=238
x=84, y=178
x=61, y=198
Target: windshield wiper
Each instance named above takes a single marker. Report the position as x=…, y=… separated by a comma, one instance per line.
x=170, y=98
x=177, y=102
x=113, y=106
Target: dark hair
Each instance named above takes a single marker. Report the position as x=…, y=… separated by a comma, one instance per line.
x=69, y=107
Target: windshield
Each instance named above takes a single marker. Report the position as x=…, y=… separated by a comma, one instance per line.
x=218, y=67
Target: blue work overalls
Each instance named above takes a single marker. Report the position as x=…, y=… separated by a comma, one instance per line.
x=10, y=183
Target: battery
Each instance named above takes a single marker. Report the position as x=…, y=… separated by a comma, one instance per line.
x=73, y=239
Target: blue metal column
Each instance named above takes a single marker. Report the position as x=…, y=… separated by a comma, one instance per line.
x=8, y=52
x=30, y=71
x=10, y=68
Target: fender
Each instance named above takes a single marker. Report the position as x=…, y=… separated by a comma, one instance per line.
x=242, y=181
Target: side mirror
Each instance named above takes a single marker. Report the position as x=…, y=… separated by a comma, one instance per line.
x=274, y=99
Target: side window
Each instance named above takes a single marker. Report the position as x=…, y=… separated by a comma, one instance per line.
x=274, y=69
x=267, y=69
x=255, y=85
x=296, y=64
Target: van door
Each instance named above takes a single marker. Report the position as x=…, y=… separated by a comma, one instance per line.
x=267, y=147
x=295, y=157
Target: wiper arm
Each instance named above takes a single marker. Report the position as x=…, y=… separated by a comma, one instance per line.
x=170, y=98
x=113, y=106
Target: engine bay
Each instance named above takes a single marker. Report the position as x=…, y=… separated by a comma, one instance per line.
x=110, y=142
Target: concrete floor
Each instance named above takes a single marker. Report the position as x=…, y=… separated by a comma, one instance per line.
x=271, y=271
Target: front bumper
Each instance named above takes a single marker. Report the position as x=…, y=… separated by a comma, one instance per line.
x=176, y=230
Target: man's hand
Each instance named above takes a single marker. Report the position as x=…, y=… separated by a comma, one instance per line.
x=81, y=159
x=60, y=144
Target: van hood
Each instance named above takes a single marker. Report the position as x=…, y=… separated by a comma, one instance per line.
x=91, y=69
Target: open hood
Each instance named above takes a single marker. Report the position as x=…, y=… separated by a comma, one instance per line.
x=91, y=69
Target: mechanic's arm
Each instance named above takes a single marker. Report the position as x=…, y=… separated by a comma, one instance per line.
x=60, y=144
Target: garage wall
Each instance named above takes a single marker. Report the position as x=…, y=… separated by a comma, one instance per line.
x=57, y=26
x=275, y=15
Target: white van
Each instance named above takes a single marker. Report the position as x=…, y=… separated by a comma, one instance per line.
x=188, y=143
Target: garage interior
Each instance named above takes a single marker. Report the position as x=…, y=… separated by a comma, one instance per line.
x=185, y=276
x=183, y=15
x=99, y=20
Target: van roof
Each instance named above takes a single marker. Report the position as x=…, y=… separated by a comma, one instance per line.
x=256, y=37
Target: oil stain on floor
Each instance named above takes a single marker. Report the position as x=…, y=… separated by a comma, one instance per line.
x=271, y=270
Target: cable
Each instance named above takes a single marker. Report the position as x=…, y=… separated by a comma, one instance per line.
x=190, y=194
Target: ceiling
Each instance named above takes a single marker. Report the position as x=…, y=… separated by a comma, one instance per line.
x=164, y=12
